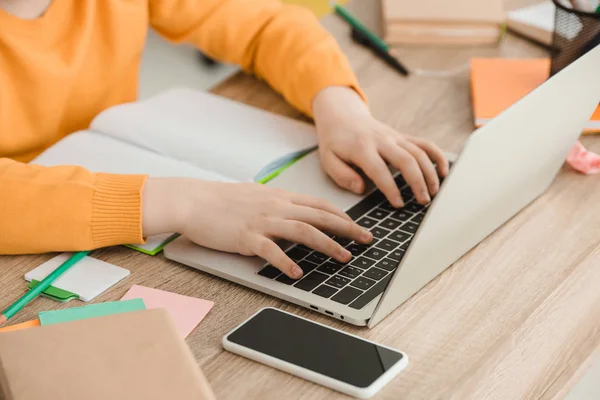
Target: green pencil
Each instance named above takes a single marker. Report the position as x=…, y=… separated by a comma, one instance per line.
x=40, y=287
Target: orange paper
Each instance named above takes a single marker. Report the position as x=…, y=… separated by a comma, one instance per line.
x=22, y=325
x=498, y=83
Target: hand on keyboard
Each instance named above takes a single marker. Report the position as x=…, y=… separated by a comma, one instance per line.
x=247, y=218
x=349, y=134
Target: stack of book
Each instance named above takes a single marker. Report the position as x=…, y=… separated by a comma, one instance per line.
x=443, y=22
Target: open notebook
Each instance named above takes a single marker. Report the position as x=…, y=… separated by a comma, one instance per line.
x=185, y=133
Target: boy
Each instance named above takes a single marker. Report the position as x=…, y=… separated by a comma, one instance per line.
x=64, y=61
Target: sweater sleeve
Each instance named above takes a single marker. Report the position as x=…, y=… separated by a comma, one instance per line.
x=283, y=44
x=44, y=209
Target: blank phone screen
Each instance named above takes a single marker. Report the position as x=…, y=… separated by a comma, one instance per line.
x=315, y=347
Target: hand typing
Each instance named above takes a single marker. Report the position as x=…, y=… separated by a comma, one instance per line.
x=246, y=218
x=348, y=134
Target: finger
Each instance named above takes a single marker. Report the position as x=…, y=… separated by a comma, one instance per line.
x=411, y=172
x=318, y=203
x=426, y=165
x=268, y=250
x=373, y=165
x=434, y=152
x=341, y=173
x=301, y=232
x=328, y=222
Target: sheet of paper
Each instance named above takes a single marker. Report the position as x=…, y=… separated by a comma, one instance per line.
x=90, y=311
x=584, y=161
x=186, y=312
x=100, y=153
x=22, y=325
x=88, y=278
x=207, y=131
x=543, y=16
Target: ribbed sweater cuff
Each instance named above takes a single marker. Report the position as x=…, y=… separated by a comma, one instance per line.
x=117, y=209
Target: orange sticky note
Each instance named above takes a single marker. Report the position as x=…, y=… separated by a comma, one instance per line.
x=22, y=325
x=186, y=312
x=498, y=83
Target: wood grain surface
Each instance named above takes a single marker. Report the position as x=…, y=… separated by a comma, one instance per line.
x=515, y=318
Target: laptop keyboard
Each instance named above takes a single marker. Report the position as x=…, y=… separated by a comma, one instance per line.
x=366, y=276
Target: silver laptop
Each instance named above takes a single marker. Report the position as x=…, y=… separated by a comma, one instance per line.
x=503, y=167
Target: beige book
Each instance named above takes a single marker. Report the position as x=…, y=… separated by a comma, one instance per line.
x=463, y=11
x=442, y=33
x=134, y=356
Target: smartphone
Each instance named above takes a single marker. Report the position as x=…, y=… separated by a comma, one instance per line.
x=318, y=353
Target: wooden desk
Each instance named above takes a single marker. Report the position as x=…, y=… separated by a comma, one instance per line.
x=516, y=318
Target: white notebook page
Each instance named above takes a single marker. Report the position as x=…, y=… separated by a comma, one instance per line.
x=208, y=131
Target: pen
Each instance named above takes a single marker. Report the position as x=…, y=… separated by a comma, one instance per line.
x=362, y=39
x=361, y=34
x=40, y=287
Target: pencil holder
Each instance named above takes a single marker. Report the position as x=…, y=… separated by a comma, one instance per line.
x=575, y=33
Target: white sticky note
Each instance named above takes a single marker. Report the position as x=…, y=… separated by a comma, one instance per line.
x=88, y=278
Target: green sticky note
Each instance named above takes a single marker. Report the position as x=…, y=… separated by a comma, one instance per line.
x=90, y=311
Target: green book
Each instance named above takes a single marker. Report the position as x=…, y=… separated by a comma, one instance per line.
x=90, y=311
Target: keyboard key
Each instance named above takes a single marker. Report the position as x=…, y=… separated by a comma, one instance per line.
x=324, y=291
x=303, y=247
x=351, y=272
x=346, y=295
x=283, y=278
x=379, y=232
x=418, y=218
x=356, y=249
x=366, y=205
x=387, y=245
x=342, y=241
x=390, y=224
x=317, y=258
x=400, y=181
x=338, y=281
x=407, y=194
x=329, y=268
x=388, y=264
x=402, y=215
x=366, y=222
x=311, y=281
x=396, y=254
x=269, y=272
x=414, y=207
x=399, y=236
x=363, y=283
x=379, y=214
x=376, y=254
x=296, y=253
x=307, y=266
x=387, y=206
x=405, y=245
x=370, y=294
x=362, y=262
x=410, y=227
x=375, y=273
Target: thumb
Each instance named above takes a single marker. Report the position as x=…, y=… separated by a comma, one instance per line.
x=341, y=173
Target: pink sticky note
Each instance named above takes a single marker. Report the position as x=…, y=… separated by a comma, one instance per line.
x=186, y=312
x=583, y=161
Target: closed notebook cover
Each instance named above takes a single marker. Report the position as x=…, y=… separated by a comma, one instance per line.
x=498, y=83
x=133, y=356
x=444, y=10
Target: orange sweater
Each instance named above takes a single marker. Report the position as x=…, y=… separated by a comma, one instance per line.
x=59, y=71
